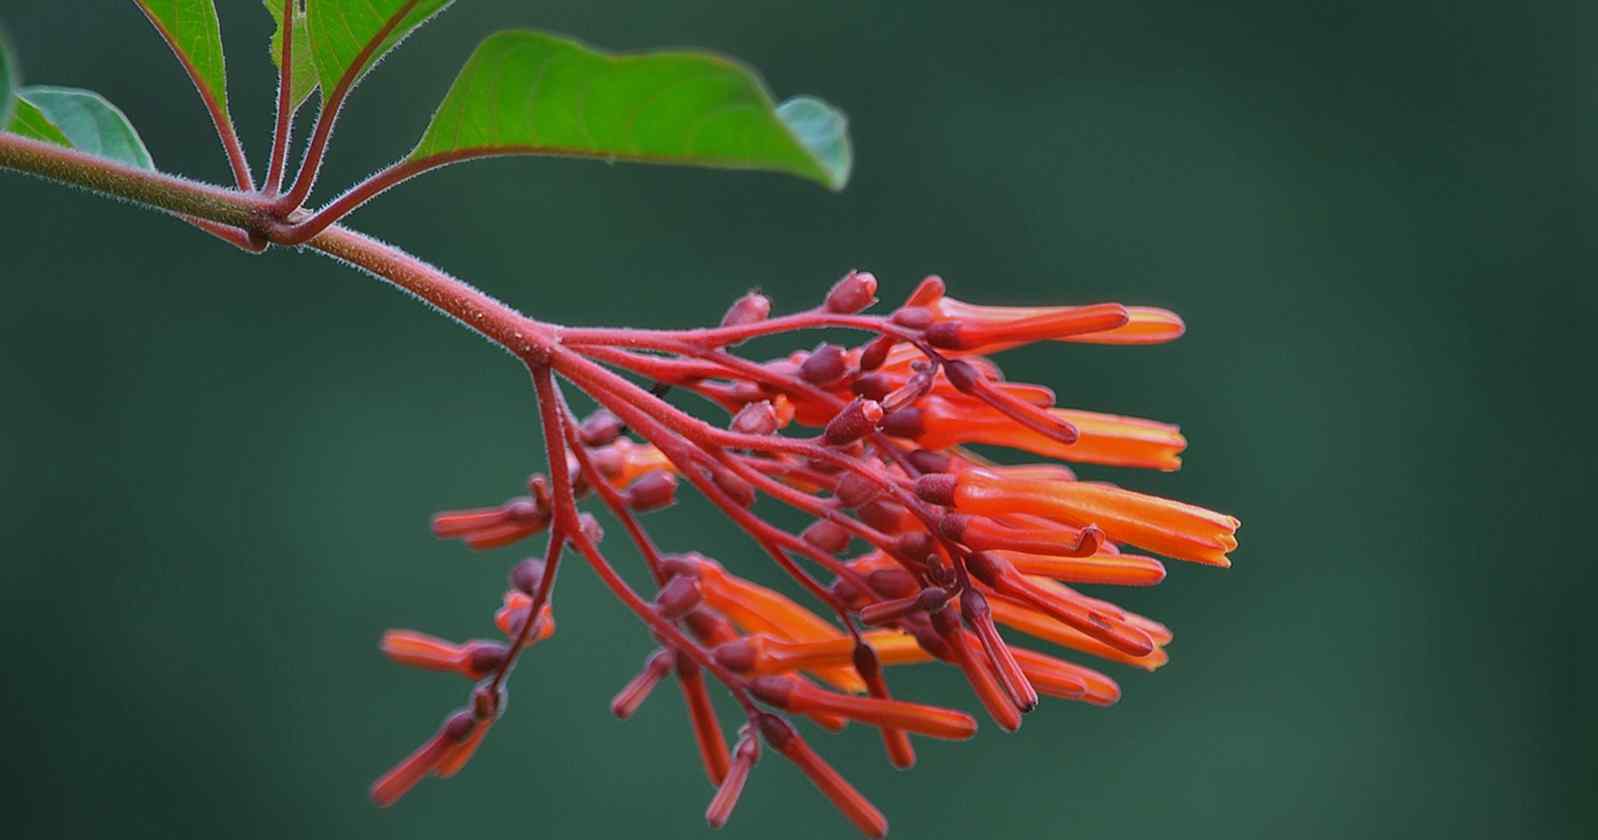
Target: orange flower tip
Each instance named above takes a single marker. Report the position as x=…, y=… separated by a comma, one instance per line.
x=797, y=696
x=856, y=291
x=600, y=428
x=857, y=419
x=854, y=806
x=678, y=597
x=637, y=690
x=1147, y=325
x=1056, y=324
x=937, y=488
x=749, y=309
x=702, y=715
x=413, y=768
x=827, y=536
x=473, y=659
x=454, y=523
x=457, y=756
x=982, y=681
x=510, y=618
x=743, y=760
x=975, y=609
x=928, y=292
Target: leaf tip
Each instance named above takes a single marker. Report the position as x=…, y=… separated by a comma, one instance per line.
x=823, y=132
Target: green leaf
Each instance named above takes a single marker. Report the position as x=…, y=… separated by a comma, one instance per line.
x=302, y=78
x=30, y=122
x=533, y=93
x=192, y=31
x=79, y=119
x=341, y=29
x=8, y=82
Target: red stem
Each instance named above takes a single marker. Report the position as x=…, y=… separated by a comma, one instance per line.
x=566, y=509
x=305, y=179
x=285, y=105
x=552, y=555
x=219, y=118
x=712, y=337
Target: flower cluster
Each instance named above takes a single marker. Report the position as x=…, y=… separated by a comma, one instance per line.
x=918, y=549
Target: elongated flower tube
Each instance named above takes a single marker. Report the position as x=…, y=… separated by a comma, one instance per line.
x=911, y=548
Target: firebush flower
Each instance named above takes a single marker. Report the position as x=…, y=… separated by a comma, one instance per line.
x=918, y=549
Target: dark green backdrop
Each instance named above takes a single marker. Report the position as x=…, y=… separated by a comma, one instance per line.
x=1377, y=218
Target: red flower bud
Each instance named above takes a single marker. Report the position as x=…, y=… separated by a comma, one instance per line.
x=826, y=365
x=856, y=291
x=749, y=309
x=655, y=490
x=757, y=418
x=857, y=419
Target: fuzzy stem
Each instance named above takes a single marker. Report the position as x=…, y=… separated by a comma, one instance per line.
x=549, y=400
x=224, y=126
x=285, y=105
x=305, y=179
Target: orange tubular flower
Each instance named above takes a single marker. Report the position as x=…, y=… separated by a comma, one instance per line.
x=940, y=423
x=1171, y=528
x=918, y=549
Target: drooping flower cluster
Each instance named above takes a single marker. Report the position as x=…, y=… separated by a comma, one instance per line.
x=919, y=549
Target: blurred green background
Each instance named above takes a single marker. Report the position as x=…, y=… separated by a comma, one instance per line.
x=1377, y=219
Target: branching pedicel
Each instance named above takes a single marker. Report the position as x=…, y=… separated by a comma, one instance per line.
x=951, y=545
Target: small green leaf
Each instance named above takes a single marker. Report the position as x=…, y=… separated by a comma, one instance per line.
x=341, y=29
x=79, y=119
x=192, y=31
x=532, y=93
x=302, y=78
x=30, y=122
x=8, y=82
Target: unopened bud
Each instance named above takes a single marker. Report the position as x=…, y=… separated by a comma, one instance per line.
x=653, y=491
x=827, y=536
x=749, y=309
x=856, y=291
x=678, y=597
x=912, y=317
x=758, y=418
x=741, y=493
x=600, y=428
x=854, y=490
x=591, y=528
x=876, y=352
x=857, y=419
x=825, y=366
x=526, y=575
